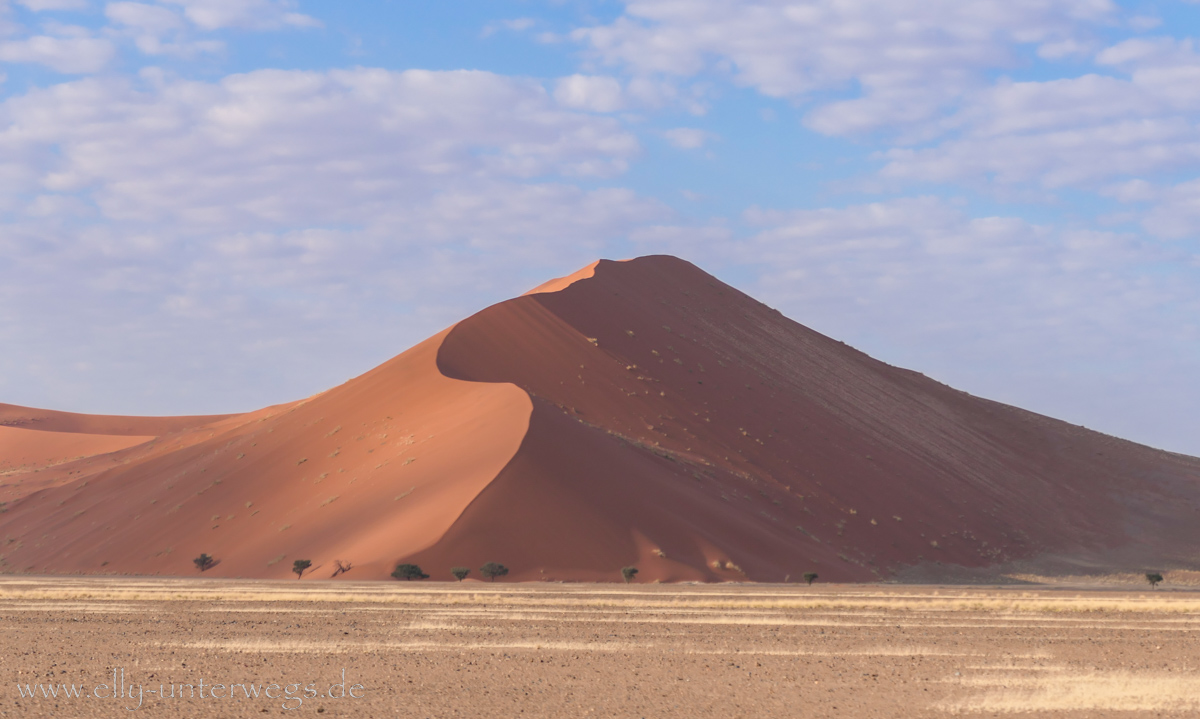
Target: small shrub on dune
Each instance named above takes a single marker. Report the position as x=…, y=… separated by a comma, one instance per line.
x=204, y=562
x=460, y=573
x=409, y=572
x=1154, y=578
x=810, y=577
x=629, y=573
x=300, y=565
x=491, y=570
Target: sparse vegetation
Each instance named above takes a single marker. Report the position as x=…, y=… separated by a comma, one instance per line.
x=409, y=572
x=629, y=573
x=460, y=573
x=1154, y=578
x=300, y=565
x=810, y=577
x=340, y=567
x=491, y=570
x=204, y=562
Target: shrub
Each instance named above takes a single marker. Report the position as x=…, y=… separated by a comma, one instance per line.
x=810, y=577
x=409, y=572
x=491, y=570
x=204, y=562
x=628, y=573
x=460, y=573
x=340, y=567
x=300, y=565
x=1154, y=578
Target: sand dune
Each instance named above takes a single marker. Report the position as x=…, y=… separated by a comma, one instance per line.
x=637, y=412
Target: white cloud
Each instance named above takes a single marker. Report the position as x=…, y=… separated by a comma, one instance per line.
x=687, y=138
x=70, y=55
x=152, y=19
x=1131, y=191
x=909, y=58
x=156, y=30
x=151, y=27
x=44, y=5
x=278, y=147
x=589, y=92
x=256, y=14
x=919, y=73
x=520, y=24
x=1079, y=131
x=1176, y=214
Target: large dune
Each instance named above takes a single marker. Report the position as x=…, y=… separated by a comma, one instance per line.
x=636, y=412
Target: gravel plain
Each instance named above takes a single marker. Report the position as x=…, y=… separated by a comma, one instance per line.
x=424, y=649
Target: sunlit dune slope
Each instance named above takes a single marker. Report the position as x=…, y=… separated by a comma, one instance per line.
x=633, y=413
x=364, y=472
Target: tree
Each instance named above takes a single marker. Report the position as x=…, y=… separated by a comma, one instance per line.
x=491, y=570
x=340, y=567
x=204, y=562
x=1154, y=578
x=810, y=577
x=409, y=572
x=460, y=573
x=300, y=565
x=628, y=573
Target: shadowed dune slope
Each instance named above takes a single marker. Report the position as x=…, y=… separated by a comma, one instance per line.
x=674, y=413
x=637, y=412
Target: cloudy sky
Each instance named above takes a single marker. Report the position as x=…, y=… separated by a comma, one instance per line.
x=214, y=205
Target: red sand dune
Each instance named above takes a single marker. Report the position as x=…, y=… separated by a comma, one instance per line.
x=636, y=412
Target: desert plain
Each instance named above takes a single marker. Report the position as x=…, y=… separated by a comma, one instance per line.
x=477, y=649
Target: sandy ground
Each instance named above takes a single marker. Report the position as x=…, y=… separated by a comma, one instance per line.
x=558, y=650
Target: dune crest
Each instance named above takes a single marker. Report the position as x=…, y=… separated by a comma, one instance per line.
x=632, y=413
x=561, y=283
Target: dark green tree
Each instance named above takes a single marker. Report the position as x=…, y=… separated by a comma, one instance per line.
x=300, y=565
x=1154, y=578
x=810, y=577
x=491, y=570
x=204, y=562
x=460, y=573
x=409, y=572
x=628, y=573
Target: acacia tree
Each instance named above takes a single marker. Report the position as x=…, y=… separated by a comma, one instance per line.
x=628, y=573
x=460, y=573
x=204, y=562
x=810, y=577
x=409, y=572
x=300, y=565
x=491, y=570
x=1154, y=578
x=340, y=567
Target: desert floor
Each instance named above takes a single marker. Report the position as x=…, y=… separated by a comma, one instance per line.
x=424, y=649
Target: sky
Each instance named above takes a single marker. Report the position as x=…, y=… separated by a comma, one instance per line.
x=210, y=206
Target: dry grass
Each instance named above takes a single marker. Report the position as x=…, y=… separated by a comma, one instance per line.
x=1061, y=691
x=1003, y=604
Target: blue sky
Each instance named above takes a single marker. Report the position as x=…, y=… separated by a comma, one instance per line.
x=213, y=205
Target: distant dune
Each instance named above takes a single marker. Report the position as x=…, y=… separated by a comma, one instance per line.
x=634, y=413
